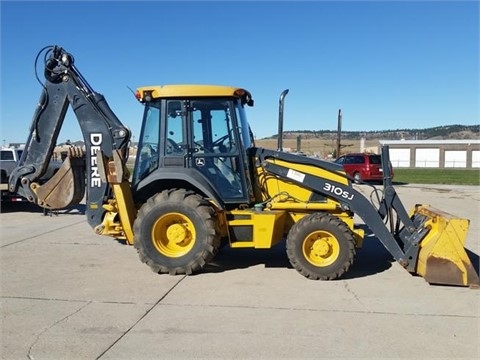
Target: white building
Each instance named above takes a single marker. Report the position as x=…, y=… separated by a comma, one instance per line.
x=434, y=153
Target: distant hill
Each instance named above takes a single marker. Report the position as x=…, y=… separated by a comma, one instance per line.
x=434, y=133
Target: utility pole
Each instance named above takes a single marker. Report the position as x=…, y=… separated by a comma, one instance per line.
x=339, y=132
x=299, y=143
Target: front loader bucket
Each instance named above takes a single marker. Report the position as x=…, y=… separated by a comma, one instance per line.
x=67, y=186
x=442, y=258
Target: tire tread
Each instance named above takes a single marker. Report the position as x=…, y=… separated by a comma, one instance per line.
x=203, y=209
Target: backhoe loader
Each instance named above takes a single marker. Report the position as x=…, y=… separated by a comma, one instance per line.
x=199, y=182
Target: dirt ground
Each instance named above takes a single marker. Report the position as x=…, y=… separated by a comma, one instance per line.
x=321, y=148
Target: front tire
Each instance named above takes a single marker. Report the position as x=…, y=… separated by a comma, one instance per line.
x=176, y=232
x=321, y=247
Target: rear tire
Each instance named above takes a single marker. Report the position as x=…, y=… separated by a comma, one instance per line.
x=176, y=232
x=321, y=247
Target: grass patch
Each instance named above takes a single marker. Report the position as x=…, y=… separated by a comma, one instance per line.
x=430, y=176
x=437, y=176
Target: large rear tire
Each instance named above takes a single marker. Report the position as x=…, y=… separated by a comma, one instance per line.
x=176, y=232
x=321, y=247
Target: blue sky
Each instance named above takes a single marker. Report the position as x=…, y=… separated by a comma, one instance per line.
x=387, y=65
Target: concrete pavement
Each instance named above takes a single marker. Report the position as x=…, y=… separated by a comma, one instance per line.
x=67, y=293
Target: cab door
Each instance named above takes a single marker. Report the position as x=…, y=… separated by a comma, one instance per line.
x=214, y=141
x=175, y=134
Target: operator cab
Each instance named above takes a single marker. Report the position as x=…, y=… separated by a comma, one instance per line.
x=199, y=139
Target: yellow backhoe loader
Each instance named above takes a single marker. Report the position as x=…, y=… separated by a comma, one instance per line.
x=199, y=182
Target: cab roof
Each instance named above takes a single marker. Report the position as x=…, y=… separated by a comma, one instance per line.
x=189, y=90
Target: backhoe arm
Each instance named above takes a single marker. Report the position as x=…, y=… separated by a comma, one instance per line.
x=102, y=131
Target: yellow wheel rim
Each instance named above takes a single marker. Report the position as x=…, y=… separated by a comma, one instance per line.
x=321, y=248
x=173, y=235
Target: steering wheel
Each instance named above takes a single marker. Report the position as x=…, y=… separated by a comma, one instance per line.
x=148, y=150
x=220, y=141
x=172, y=147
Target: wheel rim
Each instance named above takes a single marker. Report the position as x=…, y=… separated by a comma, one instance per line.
x=321, y=248
x=173, y=235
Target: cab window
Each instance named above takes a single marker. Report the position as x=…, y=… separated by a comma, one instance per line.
x=175, y=136
x=212, y=128
x=147, y=152
x=216, y=153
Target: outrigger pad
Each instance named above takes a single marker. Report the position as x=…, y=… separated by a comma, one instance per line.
x=67, y=186
x=442, y=258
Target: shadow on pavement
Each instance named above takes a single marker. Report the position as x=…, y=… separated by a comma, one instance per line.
x=12, y=207
x=373, y=258
x=474, y=259
x=231, y=259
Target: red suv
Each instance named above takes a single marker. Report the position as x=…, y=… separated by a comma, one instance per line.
x=363, y=167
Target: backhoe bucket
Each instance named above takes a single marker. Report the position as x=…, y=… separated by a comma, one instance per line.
x=67, y=186
x=442, y=258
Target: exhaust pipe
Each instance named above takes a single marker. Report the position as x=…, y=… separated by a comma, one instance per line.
x=280, y=120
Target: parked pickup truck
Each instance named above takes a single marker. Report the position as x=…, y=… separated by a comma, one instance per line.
x=8, y=161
